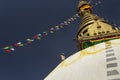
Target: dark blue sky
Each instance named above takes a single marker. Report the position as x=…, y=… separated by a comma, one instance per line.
x=22, y=19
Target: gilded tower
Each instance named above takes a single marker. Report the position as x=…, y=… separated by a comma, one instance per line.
x=93, y=29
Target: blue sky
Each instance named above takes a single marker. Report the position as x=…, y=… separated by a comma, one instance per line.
x=22, y=19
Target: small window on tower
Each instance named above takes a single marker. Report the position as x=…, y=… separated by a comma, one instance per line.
x=103, y=32
x=108, y=31
x=88, y=34
x=98, y=27
x=95, y=34
x=85, y=31
x=99, y=32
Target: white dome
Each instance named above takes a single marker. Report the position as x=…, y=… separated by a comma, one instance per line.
x=99, y=62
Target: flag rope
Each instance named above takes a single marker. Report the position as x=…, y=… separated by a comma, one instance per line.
x=12, y=48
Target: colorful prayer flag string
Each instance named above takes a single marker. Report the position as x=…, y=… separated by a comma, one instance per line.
x=9, y=49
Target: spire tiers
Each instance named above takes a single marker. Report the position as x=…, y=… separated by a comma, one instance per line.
x=91, y=26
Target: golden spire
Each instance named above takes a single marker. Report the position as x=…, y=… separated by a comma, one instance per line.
x=91, y=25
